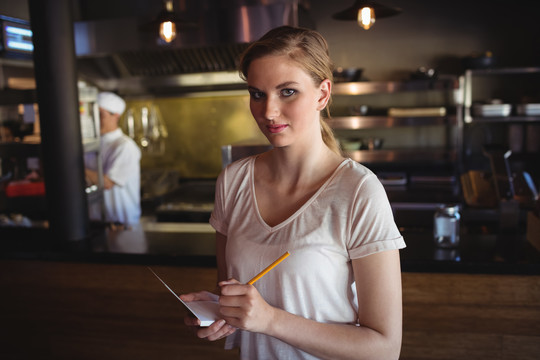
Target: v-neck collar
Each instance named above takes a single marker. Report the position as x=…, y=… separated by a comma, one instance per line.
x=301, y=209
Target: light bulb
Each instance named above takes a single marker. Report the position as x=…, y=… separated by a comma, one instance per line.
x=167, y=31
x=366, y=17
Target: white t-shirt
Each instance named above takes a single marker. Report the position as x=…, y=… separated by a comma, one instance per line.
x=349, y=217
x=121, y=163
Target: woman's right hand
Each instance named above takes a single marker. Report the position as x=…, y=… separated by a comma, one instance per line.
x=218, y=330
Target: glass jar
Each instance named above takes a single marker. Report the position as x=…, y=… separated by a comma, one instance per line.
x=446, y=226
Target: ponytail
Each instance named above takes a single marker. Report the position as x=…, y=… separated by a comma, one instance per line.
x=329, y=138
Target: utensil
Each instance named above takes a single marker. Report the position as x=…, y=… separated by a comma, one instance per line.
x=144, y=121
x=530, y=183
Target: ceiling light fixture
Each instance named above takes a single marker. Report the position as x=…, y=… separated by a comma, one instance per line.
x=167, y=26
x=365, y=12
x=167, y=23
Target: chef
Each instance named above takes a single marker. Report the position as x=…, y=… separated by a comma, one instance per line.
x=121, y=168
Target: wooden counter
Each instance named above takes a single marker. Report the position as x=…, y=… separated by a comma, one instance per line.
x=66, y=310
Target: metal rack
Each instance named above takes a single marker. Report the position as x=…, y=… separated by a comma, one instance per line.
x=468, y=94
x=450, y=85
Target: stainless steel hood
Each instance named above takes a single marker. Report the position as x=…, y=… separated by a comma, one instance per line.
x=120, y=54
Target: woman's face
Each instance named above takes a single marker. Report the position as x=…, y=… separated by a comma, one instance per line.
x=284, y=100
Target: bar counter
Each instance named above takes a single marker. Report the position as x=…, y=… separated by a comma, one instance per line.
x=97, y=299
x=193, y=244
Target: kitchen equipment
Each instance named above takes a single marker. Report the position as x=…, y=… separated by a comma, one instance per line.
x=417, y=112
x=478, y=189
x=504, y=185
x=488, y=110
x=424, y=73
x=479, y=61
x=372, y=143
x=144, y=141
x=446, y=226
x=347, y=74
x=528, y=109
x=392, y=178
x=351, y=144
x=498, y=158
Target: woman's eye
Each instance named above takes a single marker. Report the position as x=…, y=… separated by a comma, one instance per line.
x=256, y=95
x=288, y=92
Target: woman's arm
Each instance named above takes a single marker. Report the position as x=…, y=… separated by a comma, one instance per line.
x=221, y=243
x=378, y=282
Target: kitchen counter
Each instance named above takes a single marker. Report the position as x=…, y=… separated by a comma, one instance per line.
x=192, y=244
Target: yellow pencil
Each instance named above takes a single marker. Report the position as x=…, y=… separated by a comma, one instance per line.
x=270, y=267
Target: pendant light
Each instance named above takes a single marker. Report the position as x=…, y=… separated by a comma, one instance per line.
x=365, y=12
x=167, y=24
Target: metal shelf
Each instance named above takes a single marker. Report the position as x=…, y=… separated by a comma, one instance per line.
x=368, y=122
x=504, y=119
x=15, y=96
x=373, y=87
x=504, y=71
x=416, y=155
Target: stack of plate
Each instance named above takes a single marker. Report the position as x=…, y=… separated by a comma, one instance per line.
x=528, y=109
x=492, y=109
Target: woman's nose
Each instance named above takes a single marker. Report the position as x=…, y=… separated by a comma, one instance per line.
x=271, y=109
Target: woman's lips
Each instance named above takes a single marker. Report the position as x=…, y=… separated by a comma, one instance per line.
x=274, y=129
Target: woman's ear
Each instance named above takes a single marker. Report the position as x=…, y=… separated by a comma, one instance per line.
x=326, y=92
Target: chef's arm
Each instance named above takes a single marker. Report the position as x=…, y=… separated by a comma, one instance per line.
x=93, y=178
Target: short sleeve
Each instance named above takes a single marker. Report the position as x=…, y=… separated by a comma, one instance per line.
x=372, y=226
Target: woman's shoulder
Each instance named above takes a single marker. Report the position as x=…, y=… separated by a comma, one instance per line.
x=238, y=169
x=355, y=169
x=242, y=164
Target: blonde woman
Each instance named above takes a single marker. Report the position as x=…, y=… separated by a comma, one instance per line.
x=338, y=295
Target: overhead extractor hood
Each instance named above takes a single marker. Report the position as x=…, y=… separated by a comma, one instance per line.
x=117, y=54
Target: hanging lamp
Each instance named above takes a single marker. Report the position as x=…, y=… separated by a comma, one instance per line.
x=167, y=23
x=365, y=12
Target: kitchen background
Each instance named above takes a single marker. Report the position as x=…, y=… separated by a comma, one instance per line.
x=196, y=122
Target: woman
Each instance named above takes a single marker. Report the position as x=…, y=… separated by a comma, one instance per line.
x=338, y=296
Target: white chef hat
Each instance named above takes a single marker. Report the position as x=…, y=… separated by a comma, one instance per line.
x=111, y=102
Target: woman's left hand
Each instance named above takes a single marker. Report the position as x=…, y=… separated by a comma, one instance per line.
x=243, y=307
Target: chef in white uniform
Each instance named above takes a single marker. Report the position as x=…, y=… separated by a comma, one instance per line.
x=121, y=168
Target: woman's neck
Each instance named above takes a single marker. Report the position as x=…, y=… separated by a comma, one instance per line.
x=296, y=166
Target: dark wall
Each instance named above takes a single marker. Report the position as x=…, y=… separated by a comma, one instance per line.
x=433, y=34
x=427, y=33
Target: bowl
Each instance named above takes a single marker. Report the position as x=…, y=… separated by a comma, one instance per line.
x=351, y=144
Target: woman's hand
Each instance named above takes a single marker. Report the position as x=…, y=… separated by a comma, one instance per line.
x=243, y=307
x=217, y=330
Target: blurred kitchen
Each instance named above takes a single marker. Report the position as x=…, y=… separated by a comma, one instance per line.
x=441, y=99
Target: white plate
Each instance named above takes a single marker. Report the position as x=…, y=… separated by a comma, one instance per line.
x=528, y=109
x=492, y=109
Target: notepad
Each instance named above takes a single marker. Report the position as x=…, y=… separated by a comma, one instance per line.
x=206, y=311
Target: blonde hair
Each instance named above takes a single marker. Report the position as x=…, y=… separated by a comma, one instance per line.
x=307, y=48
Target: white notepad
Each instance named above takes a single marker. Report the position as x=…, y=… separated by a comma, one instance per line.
x=206, y=311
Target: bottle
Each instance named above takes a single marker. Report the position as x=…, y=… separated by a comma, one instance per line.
x=446, y=226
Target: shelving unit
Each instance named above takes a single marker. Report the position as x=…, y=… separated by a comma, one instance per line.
x=512, y=130
x=449, y=86
x=419, y=172
x=468, y=94
x=22, y=150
